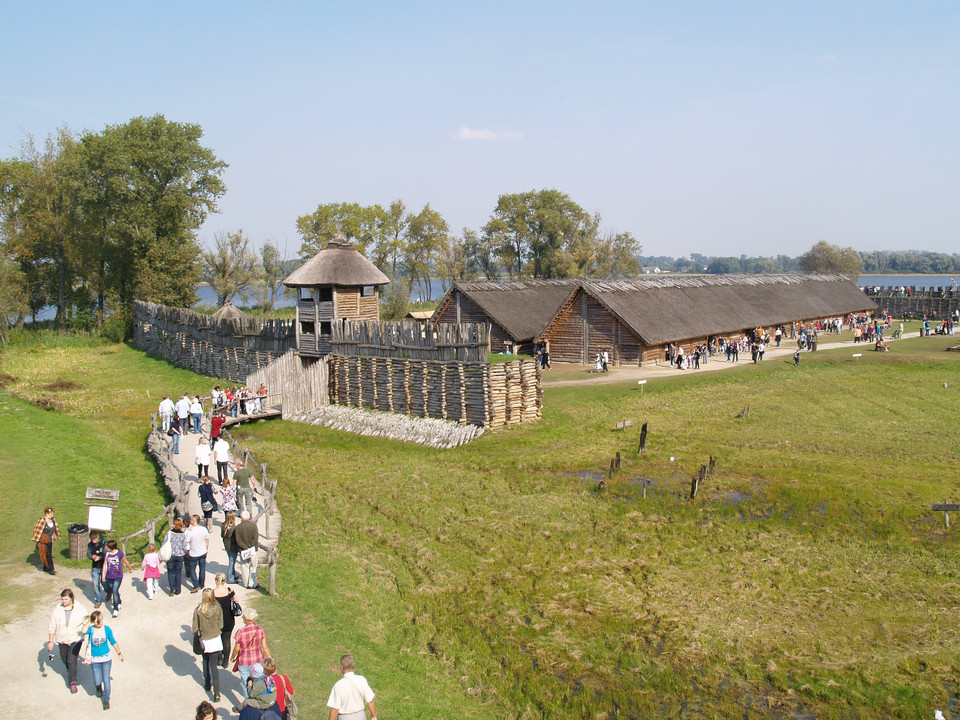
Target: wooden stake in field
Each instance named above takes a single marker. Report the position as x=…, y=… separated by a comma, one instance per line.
x=643, y=439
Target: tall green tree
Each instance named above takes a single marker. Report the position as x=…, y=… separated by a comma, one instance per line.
x=826, y=258
x=273, y=266
x=427, y=233
x=364, y=227
x=232, y=266
x=545, y=234
x=174, y=183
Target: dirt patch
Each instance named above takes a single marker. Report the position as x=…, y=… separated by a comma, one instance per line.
x=6, y=379
x=45, y=403
x=62, y=383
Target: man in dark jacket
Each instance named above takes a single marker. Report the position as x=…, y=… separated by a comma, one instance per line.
x=247, y=537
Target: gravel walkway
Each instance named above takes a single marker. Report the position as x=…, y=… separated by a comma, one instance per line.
x=160, y=678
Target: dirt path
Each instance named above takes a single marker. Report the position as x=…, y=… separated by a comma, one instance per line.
x=160, y=678
x=717, y=363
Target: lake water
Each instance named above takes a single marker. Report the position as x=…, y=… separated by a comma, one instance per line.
x=208, y=297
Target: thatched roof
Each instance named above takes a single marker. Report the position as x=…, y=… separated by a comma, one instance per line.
x=337, y=264
x=521, y=307
x=662, y=310
x=229, y=311
x=419, y=315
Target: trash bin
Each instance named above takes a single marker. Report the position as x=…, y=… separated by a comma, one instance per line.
x=79, y=537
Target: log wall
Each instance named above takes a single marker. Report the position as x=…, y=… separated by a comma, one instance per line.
x=299, y=383
x=484, y=394
x=231, y=349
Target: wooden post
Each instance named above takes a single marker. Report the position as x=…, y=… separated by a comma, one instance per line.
x=618, y=459
x=643, y=439
x=713, y=465
x=612, y=462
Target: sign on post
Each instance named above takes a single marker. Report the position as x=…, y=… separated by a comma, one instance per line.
x=946, y=508
x=101, y=502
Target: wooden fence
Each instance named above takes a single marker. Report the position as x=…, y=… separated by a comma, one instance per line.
x=226, y=348
x=478, y=393
x=300, y=383
x=467, y=342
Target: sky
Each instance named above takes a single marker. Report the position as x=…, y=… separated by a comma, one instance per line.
x=719, y=128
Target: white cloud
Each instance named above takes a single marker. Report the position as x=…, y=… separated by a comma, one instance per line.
x=465, y=133
x=827, y=59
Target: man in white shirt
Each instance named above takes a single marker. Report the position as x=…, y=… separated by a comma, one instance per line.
x=198, y=543
x=221, y=456
x=183, y=412
x=166, y=411
x=349, y=694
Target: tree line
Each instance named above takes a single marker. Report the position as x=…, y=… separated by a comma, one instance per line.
x=96, y=220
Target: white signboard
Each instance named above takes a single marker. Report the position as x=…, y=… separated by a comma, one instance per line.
x=100, y=517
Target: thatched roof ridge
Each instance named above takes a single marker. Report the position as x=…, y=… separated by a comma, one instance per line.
x=337, y=264
x=660, y=312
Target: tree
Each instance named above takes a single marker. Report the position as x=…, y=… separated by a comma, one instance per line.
x=13, y=296
x=426, y=236
x=545, y=234
x=363, y=227
x=390, y=253
x=273, y=271
x=826, y=258
x=232, y=266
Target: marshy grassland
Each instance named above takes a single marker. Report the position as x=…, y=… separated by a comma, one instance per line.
x=809, y=578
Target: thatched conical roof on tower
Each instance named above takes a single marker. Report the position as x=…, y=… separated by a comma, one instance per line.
x=338, y=264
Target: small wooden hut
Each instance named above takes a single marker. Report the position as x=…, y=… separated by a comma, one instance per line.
x=229, y=311
x=335, y=284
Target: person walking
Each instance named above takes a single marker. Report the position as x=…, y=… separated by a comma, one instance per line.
x=203, y=458
x=208, y=501
x=208, y=621
x=196, y=414
x=175, y=431
x=249, y=646
x=227, y=531
x=247, y=538
x=150, y=565
x=221, y=455
x=113, y=563
x=226, y=597
x=206, y=711
x=96, y=550
x=65, y=630
x=44, y=534
x=261, y=696
x=166, y=410
x=198, y=544
x=284, y=688
x=350, y=693
x=178, y=549
x=99, y=639
x=245, y=481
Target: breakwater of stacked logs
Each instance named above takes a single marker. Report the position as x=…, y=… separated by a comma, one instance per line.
x=226, y=348
x=468, y=342
x=912, y=302
x=475, y=393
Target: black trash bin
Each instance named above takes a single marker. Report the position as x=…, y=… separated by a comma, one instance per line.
x=79, y=537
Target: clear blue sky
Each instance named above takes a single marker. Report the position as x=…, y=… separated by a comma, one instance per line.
x=713, y=127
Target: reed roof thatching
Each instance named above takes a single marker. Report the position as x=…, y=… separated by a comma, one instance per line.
x=661, y=310
x=337, y=264
x=521, y=307
x=229, y=311
x=664, y=309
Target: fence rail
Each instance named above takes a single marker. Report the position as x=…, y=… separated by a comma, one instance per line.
x=409, y=339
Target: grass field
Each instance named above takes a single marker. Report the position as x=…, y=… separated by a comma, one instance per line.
x=809, y=578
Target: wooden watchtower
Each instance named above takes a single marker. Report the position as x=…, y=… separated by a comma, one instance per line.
x=337, y=283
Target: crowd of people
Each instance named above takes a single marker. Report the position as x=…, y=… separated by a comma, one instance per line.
x=81, y=633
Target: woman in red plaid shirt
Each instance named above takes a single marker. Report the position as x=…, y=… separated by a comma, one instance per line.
x=44, y=534
x=249, y=646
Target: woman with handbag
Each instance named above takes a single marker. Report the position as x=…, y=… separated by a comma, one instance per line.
x=98, y=639
x=208, y=500
x=208, y=624
x=230, y=609
x=286, y=706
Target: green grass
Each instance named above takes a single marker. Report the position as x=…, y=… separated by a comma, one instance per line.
x=496, y=580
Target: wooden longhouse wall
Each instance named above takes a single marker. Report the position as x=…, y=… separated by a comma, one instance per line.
x=584, y=328
x=461, y=309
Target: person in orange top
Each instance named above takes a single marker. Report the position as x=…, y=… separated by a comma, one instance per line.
x=44, y=534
